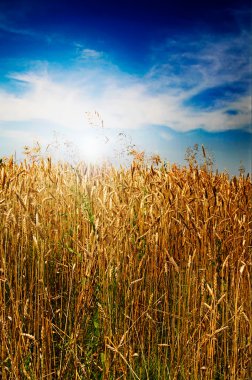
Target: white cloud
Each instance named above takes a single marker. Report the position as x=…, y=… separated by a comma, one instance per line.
x=46, y=100
x=120, y=105
x=129, y=102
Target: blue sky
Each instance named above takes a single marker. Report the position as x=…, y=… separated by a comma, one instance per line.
x=93, y=77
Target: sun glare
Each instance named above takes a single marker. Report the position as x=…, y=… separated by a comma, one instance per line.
x=92, y=150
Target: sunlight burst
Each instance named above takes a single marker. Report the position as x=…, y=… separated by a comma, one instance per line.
x=92, y=149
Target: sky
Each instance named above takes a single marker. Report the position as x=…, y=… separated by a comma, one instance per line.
x=90, y=79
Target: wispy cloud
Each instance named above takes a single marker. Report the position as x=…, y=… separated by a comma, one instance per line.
x=190, y=63
x=208, y=76
x=131, y=106
x=91, y=54
x=8, y=25
x=166, y=135
x=192, y=87
x=4, y=27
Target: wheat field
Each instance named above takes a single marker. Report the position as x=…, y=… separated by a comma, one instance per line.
x=129, y=273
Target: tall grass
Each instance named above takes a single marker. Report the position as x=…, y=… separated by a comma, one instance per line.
x=140, y=273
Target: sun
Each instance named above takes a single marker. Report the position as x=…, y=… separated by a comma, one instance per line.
x=92, y=149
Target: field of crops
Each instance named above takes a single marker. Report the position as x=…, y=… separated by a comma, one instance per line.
x=139, y=273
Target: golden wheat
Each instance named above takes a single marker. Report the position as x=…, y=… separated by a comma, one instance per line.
x=139, y=273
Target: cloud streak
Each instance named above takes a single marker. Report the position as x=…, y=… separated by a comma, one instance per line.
x=91, y=54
